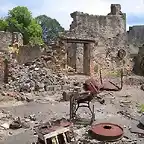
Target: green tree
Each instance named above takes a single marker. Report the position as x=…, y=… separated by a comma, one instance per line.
x=3, y=25
x=34, y=32
x=51, y=28
x=20, y=20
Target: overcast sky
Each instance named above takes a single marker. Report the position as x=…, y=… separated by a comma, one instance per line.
x=61, y=9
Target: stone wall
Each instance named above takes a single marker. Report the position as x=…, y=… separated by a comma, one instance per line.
x=109, y=33
x=135, y=35
x=136, y=38
x=28, y=53
x=96, y=26
x=139, y=62
x=7, y=38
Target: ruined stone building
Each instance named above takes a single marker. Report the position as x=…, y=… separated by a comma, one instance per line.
x=136, y=44
x=109, y=34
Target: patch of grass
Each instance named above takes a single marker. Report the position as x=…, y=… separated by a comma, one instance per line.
x=114, y=73
x=141, y=108
x=96, y=69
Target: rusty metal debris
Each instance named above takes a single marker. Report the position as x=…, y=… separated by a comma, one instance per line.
x=106, y=132
x=121, y=54
x=58, y=132
x=110, y=86
x=92, y=88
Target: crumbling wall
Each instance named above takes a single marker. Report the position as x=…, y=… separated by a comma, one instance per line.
x=135, y=38
x=7, y=38
x=135, y=35
x=108, y=31
x=136, y=41
x=28, y=53
x=99, y=26
x=139, y=62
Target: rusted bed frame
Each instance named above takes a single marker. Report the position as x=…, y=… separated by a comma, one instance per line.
x=74, y=105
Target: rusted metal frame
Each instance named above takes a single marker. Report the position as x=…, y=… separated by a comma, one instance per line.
x=121, y=80
x=99, y=99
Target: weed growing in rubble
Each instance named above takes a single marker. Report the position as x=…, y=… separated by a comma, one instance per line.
x=112, y=73
x=115, y=73
x=141, y=108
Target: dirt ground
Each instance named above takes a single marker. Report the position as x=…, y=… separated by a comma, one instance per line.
x=120, y=108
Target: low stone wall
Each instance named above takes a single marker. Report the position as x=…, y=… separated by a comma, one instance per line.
x=7, y=38
x=28, y=53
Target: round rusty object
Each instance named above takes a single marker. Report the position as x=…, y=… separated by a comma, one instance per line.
x=121, y=53
x=106, y=132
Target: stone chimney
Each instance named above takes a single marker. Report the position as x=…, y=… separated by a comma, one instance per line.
x=115, y=9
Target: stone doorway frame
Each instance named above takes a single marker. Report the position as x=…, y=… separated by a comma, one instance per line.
x=87, y=68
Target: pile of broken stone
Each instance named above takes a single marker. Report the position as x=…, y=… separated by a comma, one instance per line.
x=33, y=76
x=37, y=76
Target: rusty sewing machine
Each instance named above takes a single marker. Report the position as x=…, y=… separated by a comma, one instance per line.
x=92, y=89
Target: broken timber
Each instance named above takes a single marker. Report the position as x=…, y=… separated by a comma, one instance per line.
x=72, y=40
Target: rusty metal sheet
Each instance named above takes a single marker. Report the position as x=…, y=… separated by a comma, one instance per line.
x=93, y=85
x=53, y=126
x=109, y=86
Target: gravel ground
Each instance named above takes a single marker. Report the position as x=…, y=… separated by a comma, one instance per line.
x=125, y=100
x=47, y=107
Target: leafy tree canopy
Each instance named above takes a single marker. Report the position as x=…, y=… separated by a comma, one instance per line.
x=34, y=31
x=20, y=19
x=51, y=28
x=3, y=25
x=21, y=14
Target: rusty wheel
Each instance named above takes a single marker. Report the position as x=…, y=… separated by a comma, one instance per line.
x=106, y=132
x=121, y=53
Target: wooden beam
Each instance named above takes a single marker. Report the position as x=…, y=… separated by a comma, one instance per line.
x=70, y=40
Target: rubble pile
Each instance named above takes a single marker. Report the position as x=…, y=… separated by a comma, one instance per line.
x=33, y=76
